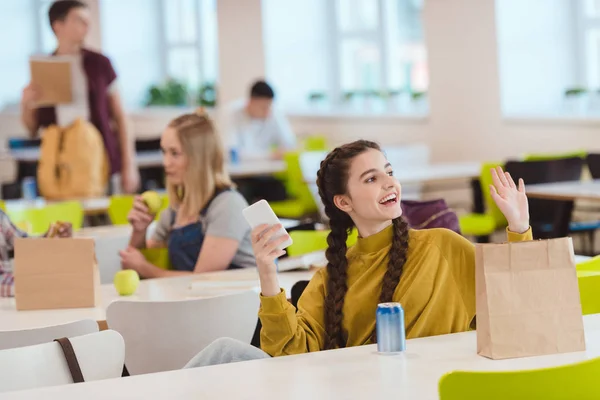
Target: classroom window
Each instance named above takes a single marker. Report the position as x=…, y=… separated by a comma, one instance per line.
x=344, y=54
x=29, y=19
x=549, y=57
x=152, y=42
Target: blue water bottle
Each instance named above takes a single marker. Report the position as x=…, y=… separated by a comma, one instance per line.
x=29, y=188
x=234, y=156
x=391, y=337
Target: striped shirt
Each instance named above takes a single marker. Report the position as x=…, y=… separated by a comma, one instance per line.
x=8, y=233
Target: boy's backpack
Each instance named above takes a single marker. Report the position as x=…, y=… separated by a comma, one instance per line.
x=73, y=162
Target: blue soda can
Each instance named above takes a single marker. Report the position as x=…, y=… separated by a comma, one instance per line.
x=29, y=188
x=391, y=337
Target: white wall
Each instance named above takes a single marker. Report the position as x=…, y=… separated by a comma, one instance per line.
x=537, y=56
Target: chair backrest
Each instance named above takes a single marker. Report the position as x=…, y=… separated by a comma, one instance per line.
x=163, y=336
x=32, y=220
x=485, y=180
x=593, y=163
x=554, y=156
x=66, y=211
x=118, y=208
x=37, y=220
x=30, y=337
x=574, y=381
x=147, y=145
x=315, y=143
x=305, y=242
x=100, y=356
x=120, y=205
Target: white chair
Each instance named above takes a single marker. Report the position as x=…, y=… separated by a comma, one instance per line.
x=30, y=337
x=100, y=356
x=163, y=336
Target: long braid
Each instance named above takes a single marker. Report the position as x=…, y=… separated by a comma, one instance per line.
x=397, y=259
x=331, y=181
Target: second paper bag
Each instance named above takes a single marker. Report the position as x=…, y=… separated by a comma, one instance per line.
x=527, y=299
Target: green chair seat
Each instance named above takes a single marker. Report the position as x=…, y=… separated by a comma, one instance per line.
x=573, y=381
x=589, y=291
x=477, y=224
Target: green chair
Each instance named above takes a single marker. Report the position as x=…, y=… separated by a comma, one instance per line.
x=573, y=381
x=315, y=143
x=120, y=205
x=2, y=206
x=592, y=264
x=36, y=221
x=554, y=156
x=301, y=202
x=310, y=241
x=589, y=291
x=158, y=257
x=66, y=211
x=33, y=221
x=482, y=225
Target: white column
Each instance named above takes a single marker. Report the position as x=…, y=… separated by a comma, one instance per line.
x=241, y=49
x=94, y=38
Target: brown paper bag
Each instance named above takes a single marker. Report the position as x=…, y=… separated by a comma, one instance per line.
x=56, y=273
x=527, y=299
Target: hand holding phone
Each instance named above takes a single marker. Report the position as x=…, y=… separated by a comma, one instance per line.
x=269, y=238
x=261, y=213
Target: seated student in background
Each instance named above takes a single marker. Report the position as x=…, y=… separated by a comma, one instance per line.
x=8, y=233
x=203, y=228
x=257, y=130
x=430, y=272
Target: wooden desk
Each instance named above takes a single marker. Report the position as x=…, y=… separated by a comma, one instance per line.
x=353, y=373
x=576, y=190
x=164, y=289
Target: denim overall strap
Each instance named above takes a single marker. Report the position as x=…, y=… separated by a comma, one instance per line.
x=186, y=242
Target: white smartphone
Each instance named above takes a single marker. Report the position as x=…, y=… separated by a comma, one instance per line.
x=261, y=213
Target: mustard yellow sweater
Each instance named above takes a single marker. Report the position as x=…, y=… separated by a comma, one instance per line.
x=436, y=290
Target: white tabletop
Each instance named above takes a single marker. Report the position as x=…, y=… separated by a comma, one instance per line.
x=164, y=289
x=353, y=373
x=244, y=168
x=584, y=190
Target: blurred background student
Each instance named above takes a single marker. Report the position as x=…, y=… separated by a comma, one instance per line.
x=99, y=101
x=255, y=129
x=203, y=228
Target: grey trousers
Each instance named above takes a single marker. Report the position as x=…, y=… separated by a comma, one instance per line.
x=225, y=351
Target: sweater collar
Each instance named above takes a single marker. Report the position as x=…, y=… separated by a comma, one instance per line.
x=376, y=242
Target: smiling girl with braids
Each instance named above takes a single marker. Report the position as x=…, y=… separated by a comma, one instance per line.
x=430, y=272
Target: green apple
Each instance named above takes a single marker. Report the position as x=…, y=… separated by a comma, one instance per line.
x=126, y=282
x=153, y=201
